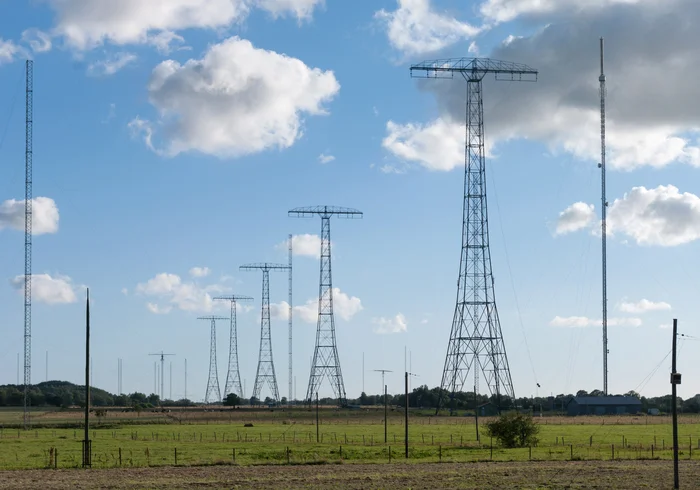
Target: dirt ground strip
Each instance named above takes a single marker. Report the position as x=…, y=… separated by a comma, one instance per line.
x=546, y=475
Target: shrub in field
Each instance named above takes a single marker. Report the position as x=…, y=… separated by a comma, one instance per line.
x=514, y=430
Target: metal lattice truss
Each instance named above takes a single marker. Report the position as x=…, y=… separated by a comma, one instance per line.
x=476, y=341
x=233, y=375
x=474, y=69
x=326, y=362
x=266, y=366
x=213, y=391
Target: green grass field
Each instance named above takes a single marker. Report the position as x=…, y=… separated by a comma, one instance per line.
x=281, y=437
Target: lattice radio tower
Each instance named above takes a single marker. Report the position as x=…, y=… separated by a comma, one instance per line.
x=266, y=365
x=233, y=375
x=28, y=159
x=213, y=392
x=476, y=340
x=291, y=397
x=604, y=208
x=326, y=361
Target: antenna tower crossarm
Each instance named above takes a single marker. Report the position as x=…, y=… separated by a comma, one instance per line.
x=474, y=69
x=325, y=211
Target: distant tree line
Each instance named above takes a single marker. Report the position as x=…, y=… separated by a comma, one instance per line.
x=66, y=395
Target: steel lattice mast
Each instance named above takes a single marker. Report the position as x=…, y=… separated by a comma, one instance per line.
x=476, y=340
x=266, y=365
x=213, y=381
x=28, y=158
x=604, y=207
x=233, y=375
x=290, y=398
x=326, y=361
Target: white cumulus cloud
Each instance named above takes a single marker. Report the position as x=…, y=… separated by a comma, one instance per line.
x=306, y=245
x=396, y=324
x=8, y=51
x=323, y=158
x=158, y=310
x=48, y=289
x=199, y=271
x=644, y=306
x=562, y=110
x=438, y=145
x=576, y=217
x=45, y=215
x=279, y=311
x=416, y=28
x=185, y=296
x=85, y=24
x=39, y=41
x=344, y=307
x=582, y=321
x=506, y=10
x=111, y=64
x=663, y=216
x=236, y=100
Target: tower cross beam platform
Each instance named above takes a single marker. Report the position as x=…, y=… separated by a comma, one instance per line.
x=476, y=340
x=266, y=366
x=326, y=362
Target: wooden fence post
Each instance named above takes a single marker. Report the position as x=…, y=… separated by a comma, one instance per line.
x=440, y=452
x=175, y=456
x=613, y=451
x=530, y=457
x=120, y=456
x=234, y=455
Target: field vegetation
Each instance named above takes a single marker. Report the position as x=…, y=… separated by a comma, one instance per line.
x=228, y=436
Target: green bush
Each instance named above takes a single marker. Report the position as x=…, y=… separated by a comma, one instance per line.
x=514, y=430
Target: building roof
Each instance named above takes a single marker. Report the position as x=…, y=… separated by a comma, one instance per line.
x=606, y=400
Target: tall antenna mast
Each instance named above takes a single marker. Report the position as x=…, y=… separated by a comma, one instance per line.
x=28, y=160
x=289, y=400
x=476, y=339
x=233, y=375
x=326, y=362
x=604, y=207
x=213, y=394
x=266, y=366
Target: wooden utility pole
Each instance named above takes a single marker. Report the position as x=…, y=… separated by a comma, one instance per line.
x=675, y=380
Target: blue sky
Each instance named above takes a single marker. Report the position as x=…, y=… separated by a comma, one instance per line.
x=176, y=135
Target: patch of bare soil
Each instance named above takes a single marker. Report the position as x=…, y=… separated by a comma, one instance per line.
x=528, y=475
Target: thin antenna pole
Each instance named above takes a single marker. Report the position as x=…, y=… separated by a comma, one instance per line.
x=18, y=369
x=185, y=379
x=28, y=160
x=87, y=450
x=289, y=401
x=171, y=380
x=363, y=372
x=155, y=377
x=604, y=205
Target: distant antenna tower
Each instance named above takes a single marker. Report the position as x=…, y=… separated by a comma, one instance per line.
x=233, y=375
x=604, y=207
x=28, y=161
x=476, y=340
x=213, y=392
x=290, y=398
x=162, y=372
x=326, y=361
x=266, y=365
